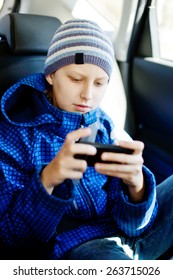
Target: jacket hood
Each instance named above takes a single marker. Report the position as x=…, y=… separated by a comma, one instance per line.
x=25, y=104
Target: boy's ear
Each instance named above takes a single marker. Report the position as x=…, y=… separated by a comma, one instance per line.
x=49, y=79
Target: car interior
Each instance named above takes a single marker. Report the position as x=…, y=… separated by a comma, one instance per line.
x=141, y=83
x=22, y=51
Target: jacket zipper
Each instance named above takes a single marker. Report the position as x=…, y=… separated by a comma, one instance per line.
x=84, y=192
x=88, y=200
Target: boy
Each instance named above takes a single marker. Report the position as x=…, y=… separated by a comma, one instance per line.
x=54, y=206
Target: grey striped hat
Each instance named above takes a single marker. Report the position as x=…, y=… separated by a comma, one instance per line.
x=79, y=41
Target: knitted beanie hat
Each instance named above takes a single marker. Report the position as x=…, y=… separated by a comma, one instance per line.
x=79, y=41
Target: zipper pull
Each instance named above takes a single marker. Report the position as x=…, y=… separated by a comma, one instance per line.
x=74, y=206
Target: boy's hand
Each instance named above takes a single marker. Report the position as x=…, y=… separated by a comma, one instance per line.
x=64, y=165
x=127, y=167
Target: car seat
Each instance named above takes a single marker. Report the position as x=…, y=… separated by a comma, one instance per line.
x=24, y=42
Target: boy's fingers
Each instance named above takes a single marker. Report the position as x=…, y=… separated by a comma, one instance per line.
x=137, y=146
x=77, y=134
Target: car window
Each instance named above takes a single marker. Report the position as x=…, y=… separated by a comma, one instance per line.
x=106, y=12
x=1, y=3
x=164, y=10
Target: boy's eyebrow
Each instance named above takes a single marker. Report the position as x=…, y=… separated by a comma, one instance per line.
x=73, y=72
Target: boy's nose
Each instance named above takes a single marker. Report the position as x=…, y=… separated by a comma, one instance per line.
x=87, y=92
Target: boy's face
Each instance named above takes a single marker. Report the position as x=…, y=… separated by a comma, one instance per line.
x=78, y=88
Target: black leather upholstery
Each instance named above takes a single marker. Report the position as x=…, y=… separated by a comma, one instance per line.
x=24, y=41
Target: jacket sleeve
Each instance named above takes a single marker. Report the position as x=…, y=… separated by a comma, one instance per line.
x=30, y=214
x=134, y=219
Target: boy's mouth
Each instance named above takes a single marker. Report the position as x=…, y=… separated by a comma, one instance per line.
x=82, y=108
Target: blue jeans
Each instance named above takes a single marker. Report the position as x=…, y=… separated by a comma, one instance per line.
x=159, y=239
x=149, y=246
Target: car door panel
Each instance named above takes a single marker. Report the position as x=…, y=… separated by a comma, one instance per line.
x=152, y=100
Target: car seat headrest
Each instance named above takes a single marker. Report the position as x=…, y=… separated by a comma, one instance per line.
x=28, y=33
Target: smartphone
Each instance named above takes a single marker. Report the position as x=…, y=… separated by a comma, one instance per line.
x=91, y=160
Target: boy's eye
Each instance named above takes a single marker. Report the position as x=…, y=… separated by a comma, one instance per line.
x=76, y=79
x=100, y=84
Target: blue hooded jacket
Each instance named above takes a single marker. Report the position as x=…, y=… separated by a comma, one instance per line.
x=32, y=131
